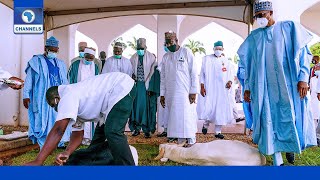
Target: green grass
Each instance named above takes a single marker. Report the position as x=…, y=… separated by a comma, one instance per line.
x=146, y=153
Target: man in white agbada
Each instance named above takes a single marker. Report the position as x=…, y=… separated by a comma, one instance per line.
x=162, y=111
x=14, y=82
x=117, y=63
x=106, y=99
x=216, y=102
x=315, y=106
x=80, y=70
x=178, y=89
x=81, y=48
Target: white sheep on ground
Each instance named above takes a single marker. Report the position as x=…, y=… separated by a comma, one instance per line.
x=218, y=152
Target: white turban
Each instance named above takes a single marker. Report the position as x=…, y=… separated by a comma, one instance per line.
x=89, y=51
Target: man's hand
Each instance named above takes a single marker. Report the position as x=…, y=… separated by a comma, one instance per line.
x=203, y=91
x=229, y=84
x=150, y=93
x=34, y=163
x=26, y=103
x=302, y=89
x=318, y=96
x=62, y=158
x=16, y=86
x=246, y=96
x=192, y=98
x=163, y=101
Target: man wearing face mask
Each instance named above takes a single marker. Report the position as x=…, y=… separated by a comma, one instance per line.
x=277, y=67
x=314, y=65
x=43, y=71
x=103, y=57
x=217, y=99
x=82, y=46
x=178, y=89
x=117, y=63
x=80, y=70
x=147, y=78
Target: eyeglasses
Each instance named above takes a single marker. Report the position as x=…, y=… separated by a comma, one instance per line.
x=48, y=50
x=261, y=15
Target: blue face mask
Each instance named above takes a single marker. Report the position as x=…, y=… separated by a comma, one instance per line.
x=81, y=54
x=51, y=55
x=87, y=62
x=166, y=49
x=140, y=52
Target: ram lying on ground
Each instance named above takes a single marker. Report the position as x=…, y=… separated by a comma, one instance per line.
x=218, y=152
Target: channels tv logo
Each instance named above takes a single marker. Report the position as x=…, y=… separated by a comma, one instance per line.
x=28, y=20
x=28, y=16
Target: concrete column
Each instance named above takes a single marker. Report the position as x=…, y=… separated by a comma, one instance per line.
x=73, y=47
x=164, y=24
x=66, y=36
x=30, y=45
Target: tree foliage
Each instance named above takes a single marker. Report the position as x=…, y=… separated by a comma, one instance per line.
x=315, y=49
x=195, y=47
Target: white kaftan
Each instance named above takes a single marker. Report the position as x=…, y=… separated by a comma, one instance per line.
x=117, y=65
x=91, y=100
x=217, y=106
x=85, y=72
x=178, y=80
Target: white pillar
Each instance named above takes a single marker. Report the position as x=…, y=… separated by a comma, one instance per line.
x=66, y=37
x=73, y=47
x=30, y=45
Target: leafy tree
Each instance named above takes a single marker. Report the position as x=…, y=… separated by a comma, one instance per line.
x=195, y=47
x=133, y=44
x=236, y=59
x=119, y=39
x=315, y=49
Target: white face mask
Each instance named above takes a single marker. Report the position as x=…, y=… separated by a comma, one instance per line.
x=262, y=22
x=218, y=53
x=317, y=73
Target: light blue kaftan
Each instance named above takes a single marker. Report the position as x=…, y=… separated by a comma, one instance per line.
x=246, y=106
x=276, y=59
x=41, y=116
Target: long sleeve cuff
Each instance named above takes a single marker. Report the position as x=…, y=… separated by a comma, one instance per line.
x=193, y=90
x=26, y=94
x=162, y=92
x=303, y=77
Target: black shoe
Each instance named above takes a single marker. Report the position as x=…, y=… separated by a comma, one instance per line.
x=163, y=134
x=240, y=119
x=220, y=136
x=147, y=135
x=204, y=130
x=135, y=133
x=318, y=142
x=290, y=157
x=171, y=140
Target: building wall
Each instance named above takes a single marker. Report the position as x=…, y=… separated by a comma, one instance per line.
x=16, y=51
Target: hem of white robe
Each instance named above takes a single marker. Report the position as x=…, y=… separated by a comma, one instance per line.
x=182, y=135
